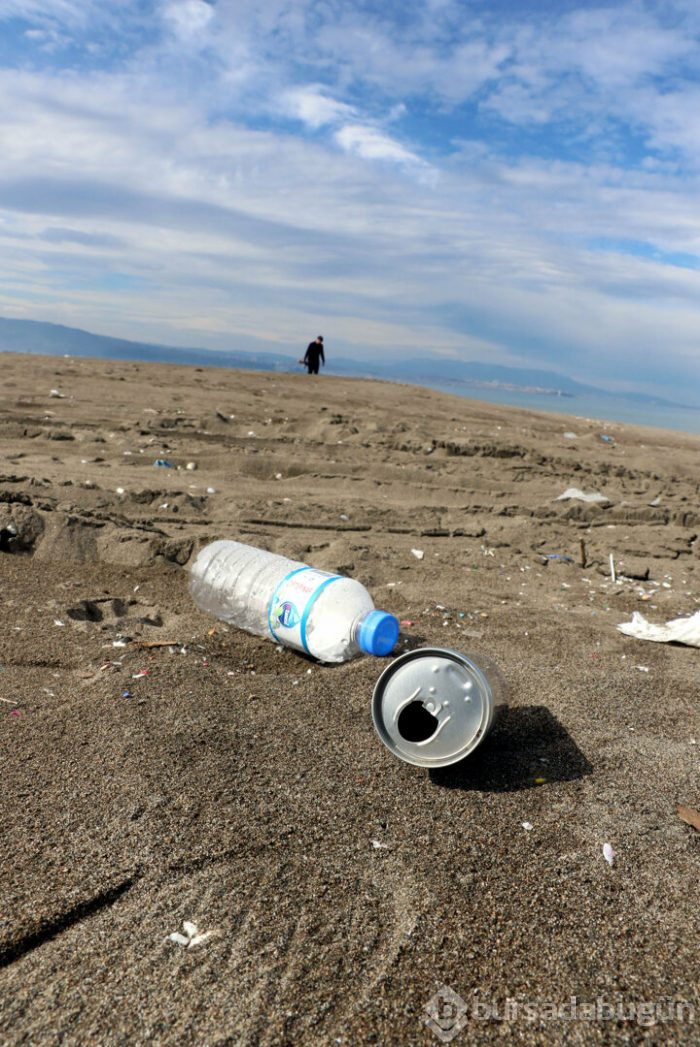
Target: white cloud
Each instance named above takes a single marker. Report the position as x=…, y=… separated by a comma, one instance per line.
x=187, y=18
x=311, y=105
x=371, y=144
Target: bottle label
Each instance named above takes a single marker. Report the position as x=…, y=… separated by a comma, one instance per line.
x=291, y=605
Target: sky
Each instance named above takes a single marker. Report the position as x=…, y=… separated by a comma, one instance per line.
x=514, y=181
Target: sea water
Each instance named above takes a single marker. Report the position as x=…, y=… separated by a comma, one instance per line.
x=603, y=408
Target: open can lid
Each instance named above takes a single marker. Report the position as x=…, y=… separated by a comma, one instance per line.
x=431, y=707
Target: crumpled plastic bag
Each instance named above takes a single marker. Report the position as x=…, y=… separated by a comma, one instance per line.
x=581, y=496
x=678, y=630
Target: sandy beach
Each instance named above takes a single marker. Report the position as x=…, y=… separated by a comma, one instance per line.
x=162, y=768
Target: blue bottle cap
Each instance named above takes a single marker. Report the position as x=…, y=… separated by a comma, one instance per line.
x=378, y=633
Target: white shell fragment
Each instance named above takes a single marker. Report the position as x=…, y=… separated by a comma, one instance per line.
x=191, y=937
x=581, y=496
x=678, y=630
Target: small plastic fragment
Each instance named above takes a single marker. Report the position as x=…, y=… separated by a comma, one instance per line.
x=579, y=495
x=163, y=463
x=418, y=553
x=191, y=937
x=608, y=853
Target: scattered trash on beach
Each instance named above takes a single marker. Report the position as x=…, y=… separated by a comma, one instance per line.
x=191, y=466
x=689, y=815
x=559, y=556
x=418, y=553
x=608, y=853
x=678, y=630
x=527, y=826
x=191, y=937
x=581, y=496
x=607, y=439
x=163, y=463
x=57, y=394
x=378, y=846
x=569, y=436
x=8, y=701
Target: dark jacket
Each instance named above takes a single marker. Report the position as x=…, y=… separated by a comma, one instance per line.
x=314, y=353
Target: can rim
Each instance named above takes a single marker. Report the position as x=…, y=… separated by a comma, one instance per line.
x=485, y=694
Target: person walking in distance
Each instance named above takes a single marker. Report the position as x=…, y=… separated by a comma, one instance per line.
x=314, y=355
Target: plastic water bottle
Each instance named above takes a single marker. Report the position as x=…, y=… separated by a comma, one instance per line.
x=325, y=615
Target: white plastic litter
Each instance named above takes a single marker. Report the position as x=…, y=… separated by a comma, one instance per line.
x=191, y=937
x=527, y=826
x=608, y=853
x=678, y=630
x=418, y=553
x=581, y=496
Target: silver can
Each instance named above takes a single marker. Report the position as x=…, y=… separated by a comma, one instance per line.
x=433, y=706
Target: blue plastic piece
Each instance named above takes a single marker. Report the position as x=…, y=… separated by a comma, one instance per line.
x=378, y=634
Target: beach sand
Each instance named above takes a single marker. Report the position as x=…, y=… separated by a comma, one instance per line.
x=243, y=788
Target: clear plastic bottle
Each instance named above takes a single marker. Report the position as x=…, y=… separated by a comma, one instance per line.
x=325, y=615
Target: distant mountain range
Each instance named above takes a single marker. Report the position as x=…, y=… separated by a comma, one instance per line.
x=32, y=336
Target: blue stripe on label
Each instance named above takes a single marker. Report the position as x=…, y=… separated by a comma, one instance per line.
x=312, y=601
x=273, y=601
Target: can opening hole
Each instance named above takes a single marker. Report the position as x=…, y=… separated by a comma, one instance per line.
x=416, y=724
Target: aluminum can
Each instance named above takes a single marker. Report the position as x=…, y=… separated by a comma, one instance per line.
x=432, y=707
